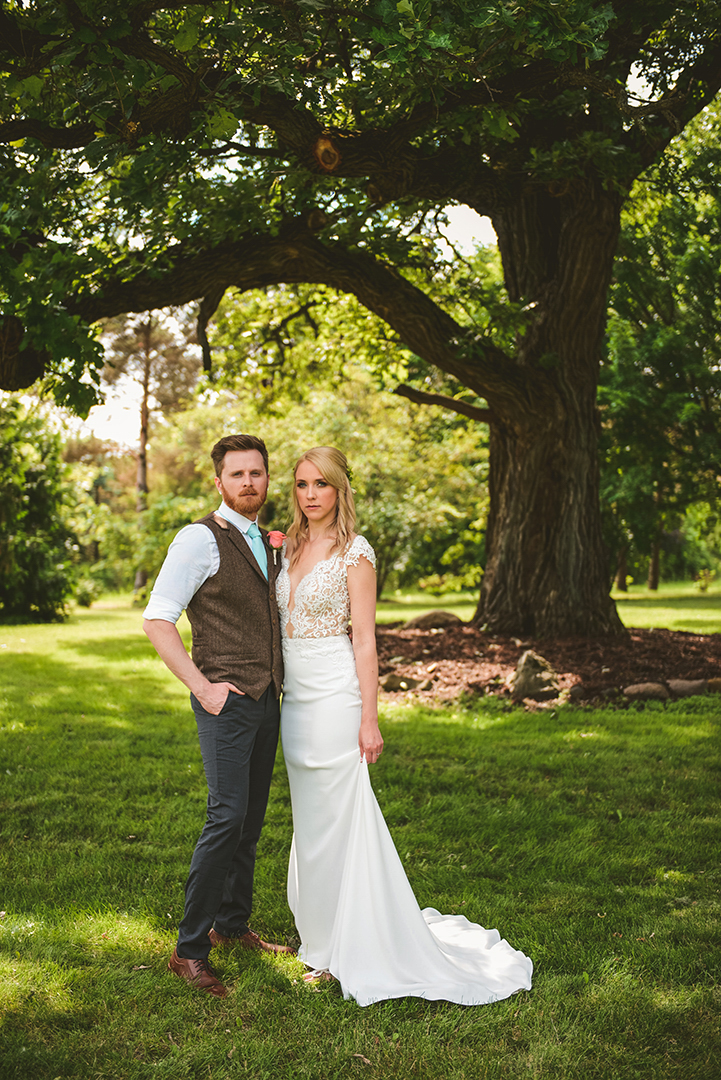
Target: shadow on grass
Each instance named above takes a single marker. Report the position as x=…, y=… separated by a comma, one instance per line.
x=39, y=687
x=117, y=650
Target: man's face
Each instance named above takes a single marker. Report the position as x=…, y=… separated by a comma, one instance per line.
x=243, y=482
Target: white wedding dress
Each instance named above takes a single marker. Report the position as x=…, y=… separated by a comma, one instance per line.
x=353, y=905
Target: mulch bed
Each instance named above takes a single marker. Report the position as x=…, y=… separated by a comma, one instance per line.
x=463, y=660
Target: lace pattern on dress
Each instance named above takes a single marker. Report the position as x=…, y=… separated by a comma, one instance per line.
x=322, y=603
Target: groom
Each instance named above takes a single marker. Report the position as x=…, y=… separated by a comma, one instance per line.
x=221, y=571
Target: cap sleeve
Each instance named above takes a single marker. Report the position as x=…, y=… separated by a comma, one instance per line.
x=360, y=546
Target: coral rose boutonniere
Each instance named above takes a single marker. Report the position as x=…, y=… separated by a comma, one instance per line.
x=275, y=539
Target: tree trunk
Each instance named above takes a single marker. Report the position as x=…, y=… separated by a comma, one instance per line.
x=654, y=567
x=547, y=570
x=141, y=485
x=622, y=569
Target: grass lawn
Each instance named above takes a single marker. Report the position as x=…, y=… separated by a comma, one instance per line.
x=403, y=606
x=676, y=606
x=589, y=838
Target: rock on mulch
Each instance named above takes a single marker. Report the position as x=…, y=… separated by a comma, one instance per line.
x=461, y=659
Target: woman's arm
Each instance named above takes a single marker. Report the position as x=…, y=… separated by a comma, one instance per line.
x=362, y=592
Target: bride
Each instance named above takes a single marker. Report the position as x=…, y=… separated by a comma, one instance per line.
x=355, y=911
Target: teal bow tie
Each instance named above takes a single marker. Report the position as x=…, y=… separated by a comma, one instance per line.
x=258, y=548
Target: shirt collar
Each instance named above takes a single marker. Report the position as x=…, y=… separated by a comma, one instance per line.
x=240, y=522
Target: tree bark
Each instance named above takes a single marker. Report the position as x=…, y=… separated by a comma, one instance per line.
x=141, y=487
x=547, y=570
x=622, y=569
x=654, y=567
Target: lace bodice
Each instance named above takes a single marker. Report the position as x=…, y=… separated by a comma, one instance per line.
x=321, y=605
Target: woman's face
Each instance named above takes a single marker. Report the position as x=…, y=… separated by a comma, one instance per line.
x=316, y=498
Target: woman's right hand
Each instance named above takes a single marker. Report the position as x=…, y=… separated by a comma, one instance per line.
x=370, y=741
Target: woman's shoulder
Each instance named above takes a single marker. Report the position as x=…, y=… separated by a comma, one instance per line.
x=359, y=547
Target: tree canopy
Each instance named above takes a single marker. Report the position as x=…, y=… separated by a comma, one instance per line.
x=251, y=143
x=660, y=386
x=160, y=153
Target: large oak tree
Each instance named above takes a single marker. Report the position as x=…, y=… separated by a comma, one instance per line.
x=158, y=153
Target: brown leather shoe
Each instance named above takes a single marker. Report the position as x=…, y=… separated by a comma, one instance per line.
x=248, y=940
x=197, y=972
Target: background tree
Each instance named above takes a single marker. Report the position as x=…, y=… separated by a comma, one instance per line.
x=417, y=475
x=36, y=556
x=101, y=512
x=155, y=352
x=155, y=155
x=660, y=389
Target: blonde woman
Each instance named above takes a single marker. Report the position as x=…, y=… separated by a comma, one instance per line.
x=355, y=911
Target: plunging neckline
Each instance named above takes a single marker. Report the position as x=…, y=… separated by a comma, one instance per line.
x=292, y=594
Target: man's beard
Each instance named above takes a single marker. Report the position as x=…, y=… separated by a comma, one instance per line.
x=247, y=505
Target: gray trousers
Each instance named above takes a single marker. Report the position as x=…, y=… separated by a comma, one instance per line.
x=238, y=748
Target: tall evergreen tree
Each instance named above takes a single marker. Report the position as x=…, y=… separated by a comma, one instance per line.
x=156, y=355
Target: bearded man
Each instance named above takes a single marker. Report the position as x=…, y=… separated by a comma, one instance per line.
x=222, y=572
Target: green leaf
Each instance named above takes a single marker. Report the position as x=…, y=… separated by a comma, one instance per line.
x=222, y=124
x=32, y=86
x=186, y=37
x=86, y=34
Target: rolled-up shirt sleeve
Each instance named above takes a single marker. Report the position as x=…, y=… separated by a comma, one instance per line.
x=192, y=558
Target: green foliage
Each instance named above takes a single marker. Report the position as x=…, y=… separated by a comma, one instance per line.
x=144, y=134
x=35, y=544
x=164, y=517
x=100, y=513
x=417, y=472
x=660, y=384
x=86, y=592
x=276, y=346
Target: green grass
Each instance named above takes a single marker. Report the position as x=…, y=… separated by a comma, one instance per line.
x=676, y=606
x=403, y=606
x=589, y=838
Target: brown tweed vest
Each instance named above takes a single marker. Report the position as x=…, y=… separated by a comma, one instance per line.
x=234, y=616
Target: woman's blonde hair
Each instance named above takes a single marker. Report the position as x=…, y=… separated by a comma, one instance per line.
x=333, y=467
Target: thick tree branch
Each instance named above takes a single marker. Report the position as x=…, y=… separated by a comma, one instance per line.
x=484, y=416
x=297, y=257
x=695, y=87
x=69, y=138
x=208, y=307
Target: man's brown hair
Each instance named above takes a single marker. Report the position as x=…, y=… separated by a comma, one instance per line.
x=237, y=442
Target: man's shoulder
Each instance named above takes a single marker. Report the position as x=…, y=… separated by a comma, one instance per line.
x=196, y=535
x=212, y=519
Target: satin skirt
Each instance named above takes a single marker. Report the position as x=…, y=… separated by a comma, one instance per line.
x=354, y=908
